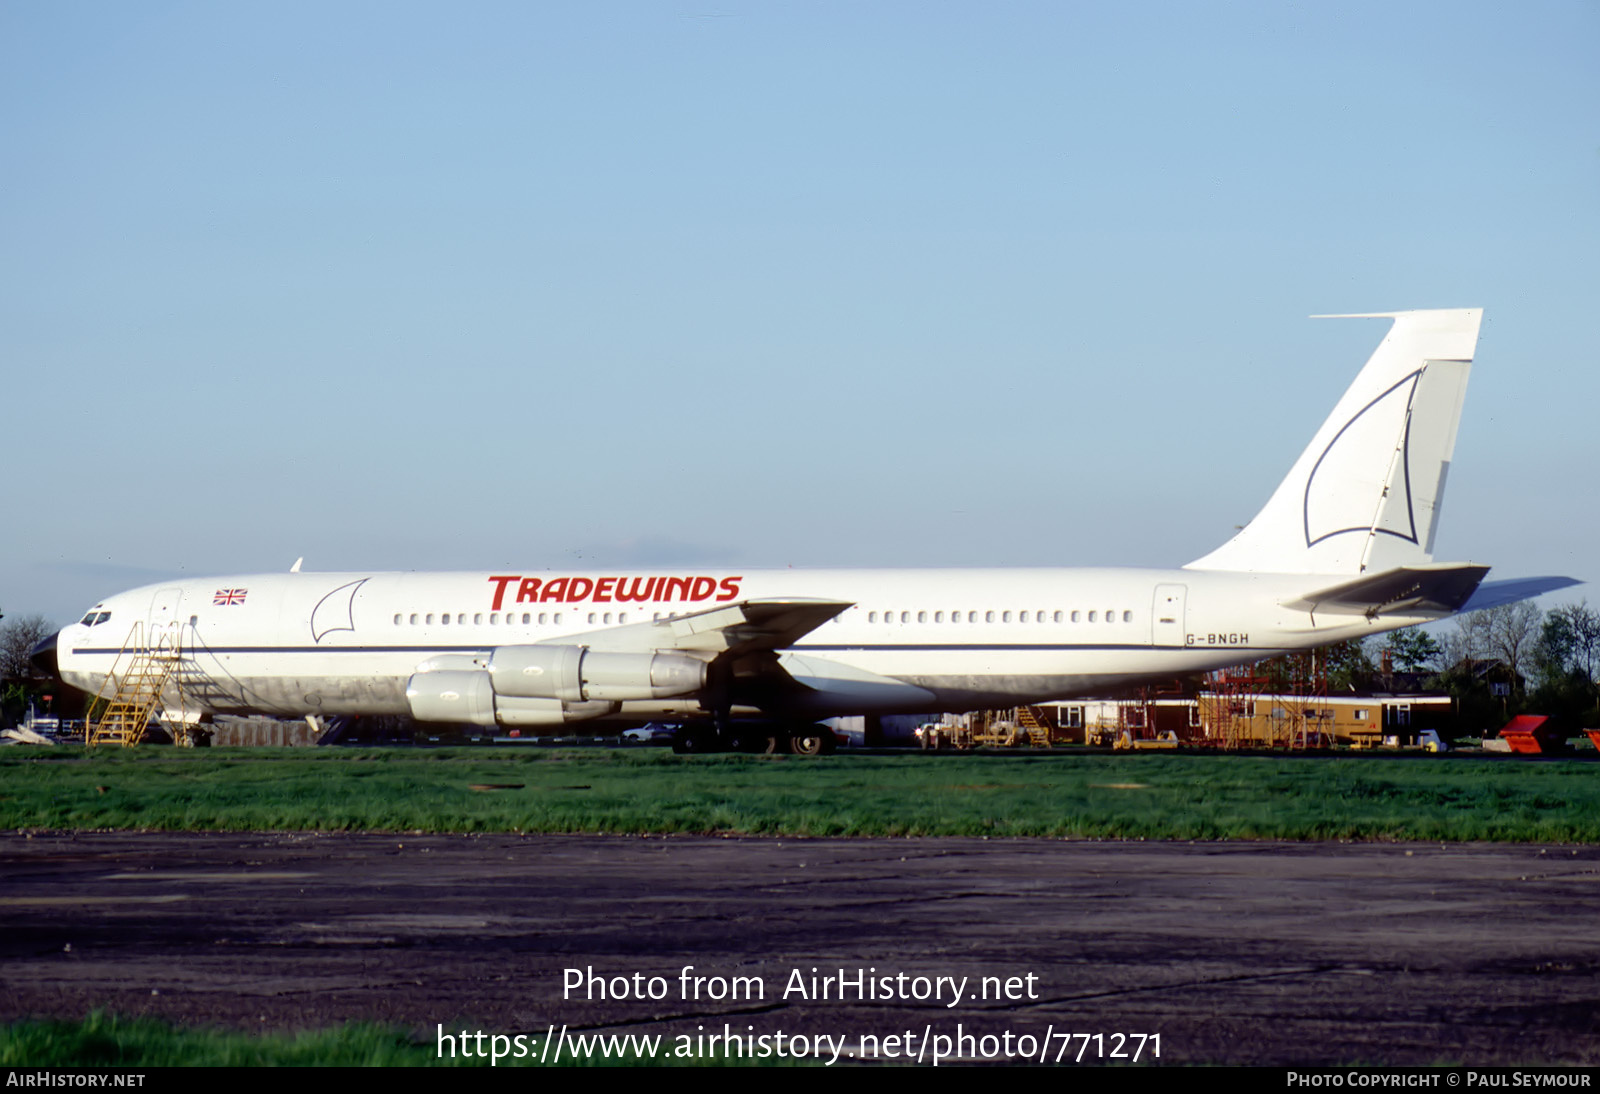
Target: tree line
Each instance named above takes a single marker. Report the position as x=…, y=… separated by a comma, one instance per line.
x=1509, y=660
x=20, y=682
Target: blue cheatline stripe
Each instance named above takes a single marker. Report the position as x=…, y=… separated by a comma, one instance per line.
x=322, y=649
x=841, y=648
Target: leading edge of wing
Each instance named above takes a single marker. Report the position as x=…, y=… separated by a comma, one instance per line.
x=747, y=626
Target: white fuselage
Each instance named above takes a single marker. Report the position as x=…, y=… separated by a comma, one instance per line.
x=1342, y=549
x=310, y=643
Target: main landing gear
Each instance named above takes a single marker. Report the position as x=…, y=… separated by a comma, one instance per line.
x=755, y=737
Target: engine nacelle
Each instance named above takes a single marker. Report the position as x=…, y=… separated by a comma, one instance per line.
x=451, y=696
x=461, y=696
x=546, y=685
x=576, y=674
x=513, y=711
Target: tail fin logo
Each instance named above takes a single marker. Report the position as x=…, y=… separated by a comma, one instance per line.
x=1377, y=465
x=1362, y=481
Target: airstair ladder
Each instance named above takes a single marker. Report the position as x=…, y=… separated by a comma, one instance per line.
x=130, y=697
x=1032, y=720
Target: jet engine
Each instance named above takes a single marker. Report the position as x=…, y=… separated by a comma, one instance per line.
x=546, y=685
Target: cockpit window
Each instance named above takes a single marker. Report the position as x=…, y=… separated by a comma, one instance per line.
x=94, y=618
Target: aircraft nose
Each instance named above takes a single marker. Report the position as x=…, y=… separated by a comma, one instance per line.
x=44, y=655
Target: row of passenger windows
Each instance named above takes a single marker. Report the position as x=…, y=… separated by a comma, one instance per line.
x=1109, y=616
x=528, y=619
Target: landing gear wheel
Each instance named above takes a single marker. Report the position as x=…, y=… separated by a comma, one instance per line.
x=811, y=741
x=693, y=741
x=757, y=742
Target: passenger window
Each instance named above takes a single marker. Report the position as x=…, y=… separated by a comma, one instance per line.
x=1127, y=617
x=397, y=619
x=1023, y=618
x=1092, y=617
x=922, y=617
x=1058, y=617
x=444, y=619
x=988, y=617
x=1075, y=617
x=972, y=617
x=413, y=619
x=1005, y=617
x=872, y=617
x=938, y=617
x=430, y=619
x=494, y=617
x=477, y=619
x=1111, y=616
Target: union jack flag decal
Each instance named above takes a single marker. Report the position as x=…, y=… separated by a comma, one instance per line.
x=229, y=596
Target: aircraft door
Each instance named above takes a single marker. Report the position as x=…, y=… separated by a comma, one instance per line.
x=1166, y=616
x=164, y=611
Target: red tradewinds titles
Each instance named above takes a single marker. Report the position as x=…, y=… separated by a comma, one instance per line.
x=610, y=590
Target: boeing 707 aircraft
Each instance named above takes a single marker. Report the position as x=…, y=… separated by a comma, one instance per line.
x=1343, y=549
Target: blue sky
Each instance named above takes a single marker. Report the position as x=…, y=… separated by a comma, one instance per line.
x=427, y=286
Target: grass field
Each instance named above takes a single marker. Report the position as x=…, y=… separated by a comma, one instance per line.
x=603, y=790
x=108, y=1041
x=104, y=1040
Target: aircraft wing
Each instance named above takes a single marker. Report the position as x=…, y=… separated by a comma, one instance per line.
x=1404, y=590
x=749, y=626
x=735, y=632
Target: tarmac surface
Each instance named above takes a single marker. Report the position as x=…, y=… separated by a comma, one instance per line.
x=1232, y=953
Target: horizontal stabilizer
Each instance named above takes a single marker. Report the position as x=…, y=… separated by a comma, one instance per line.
x=1492, y=594
x=1405, y=590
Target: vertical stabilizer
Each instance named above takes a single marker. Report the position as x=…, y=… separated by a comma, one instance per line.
x=1365, y=495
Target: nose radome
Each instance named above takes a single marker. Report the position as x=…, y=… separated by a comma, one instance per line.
x=43, y=656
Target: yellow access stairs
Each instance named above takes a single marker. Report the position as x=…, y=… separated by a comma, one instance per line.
x=1032, y=721
x=132, y=689
x=1009, y=728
